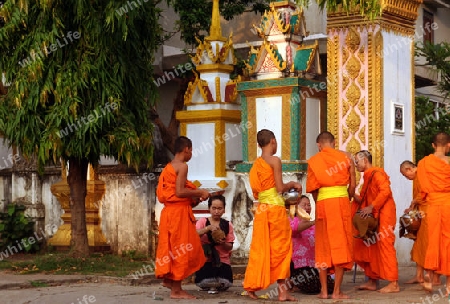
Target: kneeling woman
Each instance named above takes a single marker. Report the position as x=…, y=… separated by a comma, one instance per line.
x=217, y=237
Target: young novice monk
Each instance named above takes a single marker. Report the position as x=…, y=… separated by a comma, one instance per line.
x=434, y=177
x=271, y=247
x=331, y=180
x=180, y=251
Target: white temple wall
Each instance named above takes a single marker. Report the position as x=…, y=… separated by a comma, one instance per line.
x=268, y=112
x=397, y=90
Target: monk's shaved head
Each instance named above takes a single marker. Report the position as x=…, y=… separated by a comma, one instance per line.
x=364, y=154
x=441, y=139
x=264, y=136
x=181, y=143
x=325, y=137
x=407, y=164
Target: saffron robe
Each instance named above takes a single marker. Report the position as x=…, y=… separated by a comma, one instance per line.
x=329, y=168
x=434, y=178
x=271, y=247
x=377, y=254
x=180, y=251
x=419, y=247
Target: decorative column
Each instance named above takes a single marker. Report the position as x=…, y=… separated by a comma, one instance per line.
x=371, y=90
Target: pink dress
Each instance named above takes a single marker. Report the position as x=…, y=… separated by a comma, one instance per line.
x=303, y=244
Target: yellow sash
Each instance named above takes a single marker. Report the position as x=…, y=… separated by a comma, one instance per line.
x=332, y=192
x=271, y=197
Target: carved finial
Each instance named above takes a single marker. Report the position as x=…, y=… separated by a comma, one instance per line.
x=215, y=31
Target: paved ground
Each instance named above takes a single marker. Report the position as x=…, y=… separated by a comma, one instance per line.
x=71, y=289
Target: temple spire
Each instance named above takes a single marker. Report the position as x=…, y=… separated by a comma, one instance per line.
x=215, y=30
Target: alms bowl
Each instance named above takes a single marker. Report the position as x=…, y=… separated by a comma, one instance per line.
x=290, y=198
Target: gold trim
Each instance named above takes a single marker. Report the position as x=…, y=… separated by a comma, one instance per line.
x=333, y=84
x=183, y=129
x=252, y=145
x=195, y=116
x=215, y=31
x=314, y=55
x=222, y=184
x=376, y=111
x=217, y=83
x=413, y=106
x=220, y=150
x=286, y=127
x=215, y=67
x=302, y=130
x=272, y=91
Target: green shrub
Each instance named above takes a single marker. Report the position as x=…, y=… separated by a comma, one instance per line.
x=17, y=230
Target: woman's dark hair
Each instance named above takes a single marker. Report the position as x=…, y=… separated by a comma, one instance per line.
x=304, y=196
x=216, y=197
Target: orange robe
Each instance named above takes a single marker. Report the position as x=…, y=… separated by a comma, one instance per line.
x=271, y=247
x=330, y=168
x=434, y=177
x=377, y=255
x=420, y=244
x=180, y=251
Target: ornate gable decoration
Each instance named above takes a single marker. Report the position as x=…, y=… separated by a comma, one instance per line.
x=210, y=52
x=267, y=55
x=307, y=60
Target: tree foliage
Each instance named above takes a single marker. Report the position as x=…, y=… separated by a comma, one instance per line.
x=81, y=86
x=195, y=15
x=438, y=56
x=87, y=97
x=429, y=121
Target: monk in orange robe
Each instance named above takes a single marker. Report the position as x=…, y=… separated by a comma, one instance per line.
x=434, y=177
x=180, y=251
x=409, y=170
x=377, y=254
x=331, y=180
x=271, y=247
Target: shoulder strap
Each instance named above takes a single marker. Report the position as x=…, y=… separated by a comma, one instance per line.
x=224, y=225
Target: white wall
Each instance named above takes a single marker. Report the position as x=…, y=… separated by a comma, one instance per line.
x=312, y=125
x=398, y=147
x=269, y=116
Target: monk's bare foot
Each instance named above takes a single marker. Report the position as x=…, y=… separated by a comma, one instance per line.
x=181, y=295
x=415, y=280
x=390, y=288
x=252, y=295
x=285, y=296
x=340, y=296
x=436, y=280
x=428, y=287
x=167, y=283
x=368, y=286
x=323, y=296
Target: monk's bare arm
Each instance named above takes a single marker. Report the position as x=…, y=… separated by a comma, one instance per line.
x=352, y=186
x=275, y=163
x=180, y=185
x=315, y=194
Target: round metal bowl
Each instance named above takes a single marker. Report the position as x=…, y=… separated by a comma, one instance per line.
x=291, y=197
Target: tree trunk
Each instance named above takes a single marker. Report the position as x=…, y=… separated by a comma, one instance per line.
x=170, y=133
x=77, y=180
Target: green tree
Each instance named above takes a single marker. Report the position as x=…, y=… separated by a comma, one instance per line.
x=429, y=121
x=437, y=55
x=81, y=76
x=195, y=15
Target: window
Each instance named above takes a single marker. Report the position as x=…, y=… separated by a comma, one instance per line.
x=428, y=20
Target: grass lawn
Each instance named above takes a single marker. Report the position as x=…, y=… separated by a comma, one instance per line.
x=62, y=263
